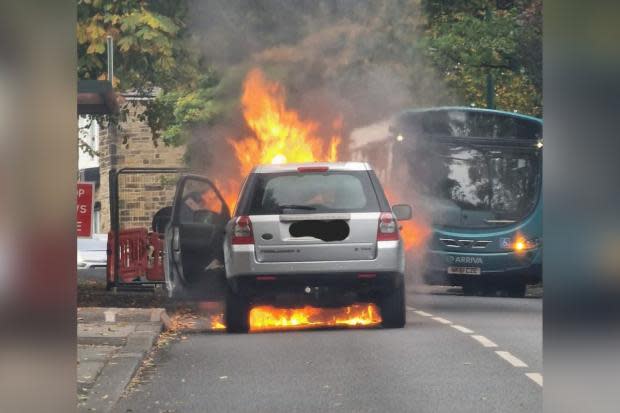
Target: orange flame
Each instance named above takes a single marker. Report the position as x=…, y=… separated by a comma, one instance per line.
x=264, y=318
x=280, y=136
x=414, y=232
x=217, y=322
x=229, y=189
x=211, y=202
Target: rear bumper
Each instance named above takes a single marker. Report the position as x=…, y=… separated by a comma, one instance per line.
x=241, y=263
x=494, y=266
x=330, y=284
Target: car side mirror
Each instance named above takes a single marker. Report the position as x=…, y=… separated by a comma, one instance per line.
x=402, y=212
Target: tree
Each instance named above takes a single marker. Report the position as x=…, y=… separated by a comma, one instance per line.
x=371, y=57
x=154, y=57
x=468, y=40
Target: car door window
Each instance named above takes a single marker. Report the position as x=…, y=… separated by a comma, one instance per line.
x=200, y=204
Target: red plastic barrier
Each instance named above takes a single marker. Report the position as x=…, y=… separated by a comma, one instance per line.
x=140, y=254
x=132, y=250
x=155, y=261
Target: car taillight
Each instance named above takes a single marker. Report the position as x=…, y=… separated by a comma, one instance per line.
x=242, y=231
x=388, y=230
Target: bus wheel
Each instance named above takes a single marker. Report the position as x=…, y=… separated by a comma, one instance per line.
x=516, y=289
x=471, y=287
x=479, y=287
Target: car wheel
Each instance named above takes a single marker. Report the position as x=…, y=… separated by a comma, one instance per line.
x=393, y=308
x=175, y=290
x=236, y=313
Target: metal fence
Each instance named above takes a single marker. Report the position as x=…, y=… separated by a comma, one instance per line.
x=135, y=242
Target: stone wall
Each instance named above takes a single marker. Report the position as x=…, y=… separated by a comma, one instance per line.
x=140, y=196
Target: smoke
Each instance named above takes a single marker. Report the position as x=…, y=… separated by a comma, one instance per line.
x=358, y=61
x=352, y=58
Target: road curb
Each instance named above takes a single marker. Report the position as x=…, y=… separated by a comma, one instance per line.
x=165, y=319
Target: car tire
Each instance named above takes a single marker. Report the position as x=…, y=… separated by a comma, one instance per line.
x=177, y=291
x=236, y=313
x=393, y=307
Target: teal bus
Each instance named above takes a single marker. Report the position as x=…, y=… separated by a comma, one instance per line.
x=474, y=177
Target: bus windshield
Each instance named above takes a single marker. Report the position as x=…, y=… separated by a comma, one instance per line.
x=472, y=169
x=469, y=186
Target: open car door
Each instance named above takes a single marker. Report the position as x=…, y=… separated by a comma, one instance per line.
x=194, y=238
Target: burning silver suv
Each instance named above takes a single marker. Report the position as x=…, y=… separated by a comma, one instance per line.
x=300, y=233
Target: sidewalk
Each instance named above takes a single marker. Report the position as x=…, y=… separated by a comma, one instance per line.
x=111, y=344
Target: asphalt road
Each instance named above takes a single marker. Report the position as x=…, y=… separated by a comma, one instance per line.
x=432, y=365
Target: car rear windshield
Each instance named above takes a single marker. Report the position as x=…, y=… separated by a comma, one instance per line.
x=301, y=193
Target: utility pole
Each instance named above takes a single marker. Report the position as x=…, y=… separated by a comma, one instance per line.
x=111, y=161
x=490, y=91
x=110, y=44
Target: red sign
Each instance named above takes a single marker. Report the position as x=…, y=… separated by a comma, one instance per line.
x=85, y=192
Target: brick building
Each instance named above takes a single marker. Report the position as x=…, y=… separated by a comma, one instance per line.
x=140, y=196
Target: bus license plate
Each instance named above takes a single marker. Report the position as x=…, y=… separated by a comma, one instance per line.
x=464, y=270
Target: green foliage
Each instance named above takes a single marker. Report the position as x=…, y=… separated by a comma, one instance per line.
x=466, y=40
x=154, y=56
x=175, y=114
x=440, y=50
x=150, y=44
x=86, y=148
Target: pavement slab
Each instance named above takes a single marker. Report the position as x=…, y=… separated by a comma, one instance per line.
x=112, y=342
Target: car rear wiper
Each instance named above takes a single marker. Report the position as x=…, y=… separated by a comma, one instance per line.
x=306, y=207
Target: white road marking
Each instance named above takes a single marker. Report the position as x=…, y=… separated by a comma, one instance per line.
x=484, y=341
x=461, y=329
x=514, y=361
x=422, y=313
x=511, y=359
x=536, y=378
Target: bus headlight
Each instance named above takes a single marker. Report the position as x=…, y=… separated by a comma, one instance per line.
x=524, y=244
